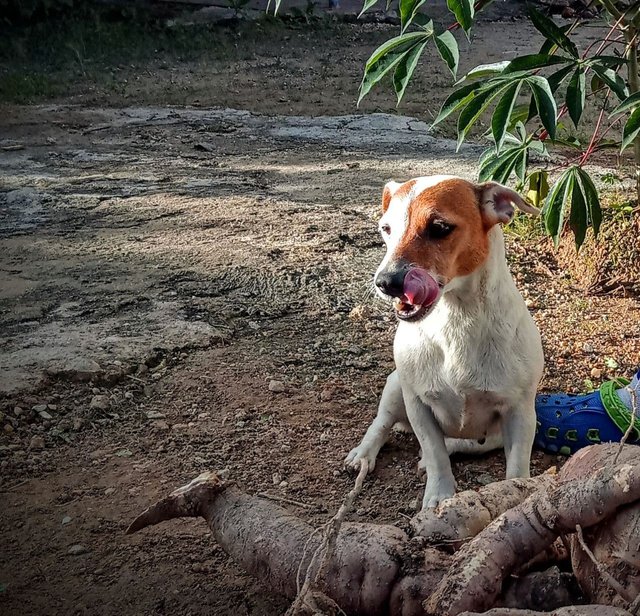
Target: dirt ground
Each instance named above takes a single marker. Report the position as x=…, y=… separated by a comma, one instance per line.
x=162, y=266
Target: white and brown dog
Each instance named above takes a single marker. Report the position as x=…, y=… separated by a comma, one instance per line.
x=468, y=353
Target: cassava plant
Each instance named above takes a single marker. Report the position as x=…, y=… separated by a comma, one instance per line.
x=530, y=97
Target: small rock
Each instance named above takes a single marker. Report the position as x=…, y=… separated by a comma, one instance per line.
x=8, y=428
x=276, y=386
x=414, y=505
x=596, y=373
x=156, y=376
x=66, y=520
x=529, y=303
x=77, y=549
x=325, y=437
x=45, y=415
x=39, y=408
x=361, y=512
x=327, y=394
x=484, y=479
x=17, y=411
x=276, y=478
x=109, y=491
x=36, y=442
x=78, y=422
x=284, y=484
x=587, y=348
x=75, y=369
x=155, y=415
x=52, y=407
x=355, y=350
x=161, y=425
x=99, y=402
x=223, y=473
x=128, y=395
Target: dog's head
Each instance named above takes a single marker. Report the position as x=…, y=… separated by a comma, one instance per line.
x=436, y=230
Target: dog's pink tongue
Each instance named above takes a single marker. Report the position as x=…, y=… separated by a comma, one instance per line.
x=420, y=288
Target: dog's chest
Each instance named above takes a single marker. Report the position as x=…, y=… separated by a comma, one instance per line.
x=456, y=377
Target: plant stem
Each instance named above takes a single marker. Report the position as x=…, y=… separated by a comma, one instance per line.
x=634, y=86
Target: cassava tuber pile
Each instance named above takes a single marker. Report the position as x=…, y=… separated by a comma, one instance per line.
x=380, y=569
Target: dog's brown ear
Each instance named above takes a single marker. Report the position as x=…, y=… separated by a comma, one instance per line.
x=498, y=203
x=387, y=194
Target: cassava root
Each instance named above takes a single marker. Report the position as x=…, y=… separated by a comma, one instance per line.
x=380, y=569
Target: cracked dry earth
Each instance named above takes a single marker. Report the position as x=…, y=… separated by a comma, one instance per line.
x=189, y=290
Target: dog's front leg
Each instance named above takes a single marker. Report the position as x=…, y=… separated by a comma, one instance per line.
x=390, y=411
x=435, y=460
x=518, y=433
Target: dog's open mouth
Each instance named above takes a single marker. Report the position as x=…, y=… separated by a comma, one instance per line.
x=407, y=311
x=421, y=292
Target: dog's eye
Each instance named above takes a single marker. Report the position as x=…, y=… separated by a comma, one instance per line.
x=386, y=229
x=439, y=229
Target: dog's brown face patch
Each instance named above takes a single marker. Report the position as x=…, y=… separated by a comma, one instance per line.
x=446, y=230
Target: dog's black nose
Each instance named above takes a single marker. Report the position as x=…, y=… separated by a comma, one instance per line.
x=391, y=281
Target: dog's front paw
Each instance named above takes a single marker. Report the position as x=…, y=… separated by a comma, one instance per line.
x=438, y=492
x=359, y=456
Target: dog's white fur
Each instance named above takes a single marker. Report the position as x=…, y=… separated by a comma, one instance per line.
x=466, y=373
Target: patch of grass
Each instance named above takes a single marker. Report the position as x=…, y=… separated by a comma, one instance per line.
x=26, y=87
x=526, y=227
x=43, y=60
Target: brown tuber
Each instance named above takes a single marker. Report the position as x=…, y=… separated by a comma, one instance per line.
x=380, y=569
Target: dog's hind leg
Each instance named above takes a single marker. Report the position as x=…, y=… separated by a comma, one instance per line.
x=390, y=412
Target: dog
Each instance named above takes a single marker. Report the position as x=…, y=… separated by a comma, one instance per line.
x=468, y=354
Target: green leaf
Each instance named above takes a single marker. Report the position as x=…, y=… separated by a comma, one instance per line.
x=606, y=61
x=366, y=6
x=448, y=48
x=593, y=200
x=498, y=167
x=474, y=109
x=521, y=165
x=555, y=79
x=579, y=216
x=485, y=70
x=405, y=69
x=545, y=102
x=556, y=204
x=408, y=10
x=576, y=95
x=387, y=57
x=613, y=80
x=464, y=12
x=629, y=103
x=502, y=114
x=552, y=32
x=538, y=187
x=455, y=100
x=536, y=60
x=631, y=129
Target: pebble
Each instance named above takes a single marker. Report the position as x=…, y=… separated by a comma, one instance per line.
x=99, y=402
x=284, y=484
x=8, y=428
x=109, y=491
x=66, y=520
x=326, y=394
x=155, y=415
x=276, y=386
x=17, y=411
x=36, y=442
x=77, y=549
x=45, y=415
x=596, y=373
x=39, y=408
x=128, y=395
x=276, y=478
x=587, y=348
